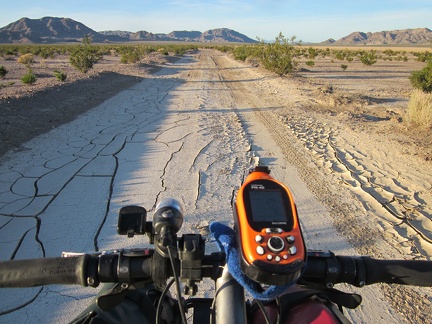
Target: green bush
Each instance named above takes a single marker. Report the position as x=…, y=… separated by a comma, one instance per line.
x=225, y=48
x=242, y=52
x=340, y=56
x=179, y=50
x=312, y=53
x=310, y=63
x=422, y=79
x=60, y=76
x=130, y=55
x=3, y=71
x=368, y=58
x=423, y=56
x=279, y=56
x=29, y=77
x=344, y=67
x=85, y=56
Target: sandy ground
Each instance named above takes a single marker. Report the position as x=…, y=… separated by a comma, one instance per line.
x=344, y=131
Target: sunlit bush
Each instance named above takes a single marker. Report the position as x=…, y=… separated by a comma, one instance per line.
x=369, y=58
x=85, y=56
x=25, y=59
x=279, y=56
x=422, y=79
x=130, y=54
x=420, y=108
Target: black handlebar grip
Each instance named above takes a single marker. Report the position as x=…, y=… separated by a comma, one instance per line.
x=404, y=272
x=325, y=267
x=45, y=271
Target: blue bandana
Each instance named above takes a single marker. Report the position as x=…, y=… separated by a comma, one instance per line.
x=226, y=239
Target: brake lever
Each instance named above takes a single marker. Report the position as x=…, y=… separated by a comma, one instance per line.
x=113, y=297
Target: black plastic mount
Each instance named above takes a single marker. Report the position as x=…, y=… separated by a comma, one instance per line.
x=132, y=220
x=260, y=168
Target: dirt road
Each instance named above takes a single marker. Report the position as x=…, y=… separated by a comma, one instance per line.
x=189, y=132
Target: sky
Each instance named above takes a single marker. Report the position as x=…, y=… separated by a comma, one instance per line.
x=308, y=20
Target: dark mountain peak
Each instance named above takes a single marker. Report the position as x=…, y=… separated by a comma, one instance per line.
x=225, y=35
x=185, y=34
x=46, y=30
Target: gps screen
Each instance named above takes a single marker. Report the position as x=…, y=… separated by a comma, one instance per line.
x=267, y=206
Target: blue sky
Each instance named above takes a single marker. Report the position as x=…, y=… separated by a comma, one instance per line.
x=308, y=20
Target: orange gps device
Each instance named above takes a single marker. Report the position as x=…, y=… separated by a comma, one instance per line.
x=269, y=238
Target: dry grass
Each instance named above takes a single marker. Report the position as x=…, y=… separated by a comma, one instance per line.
x=26, y=59
x=420, y=108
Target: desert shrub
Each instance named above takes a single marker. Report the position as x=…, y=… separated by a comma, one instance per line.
x=29, y=77
x=280, y=56
x=8, y=50
x=3, y=71
x=150, y=49
x=340, y=56
x=25, y=59
x=85, y=56
x=368, y=58
x=47, y=51
x=225, y=48
x=312, y=52
x=60, y=75
x=423, y=56
x=130, y=55
x=163, y=51
x=420, y=108
x=179, y=50
x=7, y=84
x=389, y=52
x=310, y=63
x=422, y=79
x=344, y=67
x=241, y=53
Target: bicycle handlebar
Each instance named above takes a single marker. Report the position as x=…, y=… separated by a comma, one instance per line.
x=46, y=271
x=360, y=271
x=407, y=272
x=90, y=270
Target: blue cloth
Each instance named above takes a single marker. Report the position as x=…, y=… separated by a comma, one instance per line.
x=226, y=239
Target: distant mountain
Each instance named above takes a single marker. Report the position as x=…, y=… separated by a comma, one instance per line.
x=185, y=35
x=415, y=36
x=60, y=30
x=225, y=35
x=126, y=36
x=213, y=35
x=47, y=30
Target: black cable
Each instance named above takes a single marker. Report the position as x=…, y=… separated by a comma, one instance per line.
x=177, y=282
x=161, y=298
x=213, y=309
x=279, y=314
x=261, y=306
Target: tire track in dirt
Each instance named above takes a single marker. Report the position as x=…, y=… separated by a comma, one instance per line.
x=384, y=191
x=365, y=237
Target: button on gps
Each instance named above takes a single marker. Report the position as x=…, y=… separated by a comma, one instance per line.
x=275, y=244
